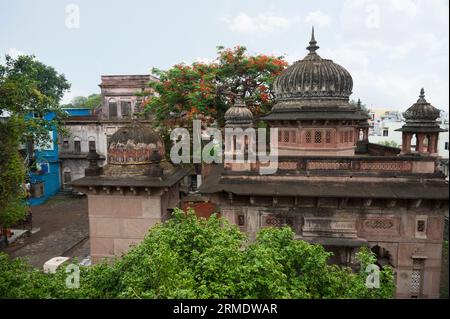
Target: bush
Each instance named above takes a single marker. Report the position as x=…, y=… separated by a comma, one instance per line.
x=190, y=257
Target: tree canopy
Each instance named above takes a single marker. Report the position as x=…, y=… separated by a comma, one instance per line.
x=204, y=91
x=91, y=101
x=29, y=90
x=190, y=257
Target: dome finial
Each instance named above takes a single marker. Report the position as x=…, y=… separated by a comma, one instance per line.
x=422, y=96
x=313, y=43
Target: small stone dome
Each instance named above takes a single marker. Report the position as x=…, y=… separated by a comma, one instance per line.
x=421, y=110
x=134, y=145
x=314, y=77
x=238, y=114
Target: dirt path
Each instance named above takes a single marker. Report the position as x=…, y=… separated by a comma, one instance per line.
x=64, y=231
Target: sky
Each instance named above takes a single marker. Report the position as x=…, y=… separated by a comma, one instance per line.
x=391, y=48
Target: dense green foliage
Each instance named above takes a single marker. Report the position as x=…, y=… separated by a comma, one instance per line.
x=92, y=101
x=190, y=257
x=28, y=91
x=12, y=194
x=204, y=91
x=390, y=143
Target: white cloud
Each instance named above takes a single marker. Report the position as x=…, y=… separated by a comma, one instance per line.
x=318, y=18
x=262, y=22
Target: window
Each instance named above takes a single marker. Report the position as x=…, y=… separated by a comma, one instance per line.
x=286, y=137
x=112, y=109
x=350, y=138
x=308, y=137
x=125, y=108
x=318, y=137
x=241, y=220
x=328, y=137
x=421, y=227
x=416, y=278
x=67, y=177
x=65, y=144
x=77, y=146
x=92, y=146
x=446, y=146
x=341, y=135
x=346, y=137
x=279, y=135
x=385, y=132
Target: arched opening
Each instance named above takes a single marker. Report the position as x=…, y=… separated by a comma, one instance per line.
x=383, y=256
x=413, y=143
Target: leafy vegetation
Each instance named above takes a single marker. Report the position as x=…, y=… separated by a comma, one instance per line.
x=204, y=91
x=390, y=144
x=92, y=101
x=29, y=90
x=190, y=257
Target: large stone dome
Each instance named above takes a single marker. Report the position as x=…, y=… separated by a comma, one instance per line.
x=134, y=145
x=314, y=78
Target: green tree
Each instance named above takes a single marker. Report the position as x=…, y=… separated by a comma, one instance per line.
x=204, y=91
x=390, y=143
x=29, y=90
x=190, y=257
x=92, y=101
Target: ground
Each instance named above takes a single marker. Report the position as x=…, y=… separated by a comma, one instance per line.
x=64, y=231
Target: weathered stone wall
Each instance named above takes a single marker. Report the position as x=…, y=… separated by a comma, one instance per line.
x=389, y=225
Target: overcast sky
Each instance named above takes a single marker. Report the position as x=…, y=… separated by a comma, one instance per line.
x=392, y=48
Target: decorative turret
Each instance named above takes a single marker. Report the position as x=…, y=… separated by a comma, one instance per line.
x=93, y=169
x=421, y=122
x=238, y=115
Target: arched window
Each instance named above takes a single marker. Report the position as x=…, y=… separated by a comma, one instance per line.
x=77, y=144
x=414, y=142
x=92, y=146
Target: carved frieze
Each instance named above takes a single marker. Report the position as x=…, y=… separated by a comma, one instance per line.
x=329, y=227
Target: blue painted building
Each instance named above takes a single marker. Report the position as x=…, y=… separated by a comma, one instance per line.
x=45, y=181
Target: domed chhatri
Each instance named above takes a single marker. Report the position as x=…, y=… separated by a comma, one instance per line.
x=133, y=145
x=238, y=114
x=314, y=78
x=421, y=110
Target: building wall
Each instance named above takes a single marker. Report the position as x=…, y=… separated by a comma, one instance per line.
x=392, y=228
x=47, y=156
x=118, y=221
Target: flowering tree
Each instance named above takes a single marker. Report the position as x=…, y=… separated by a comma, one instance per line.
x=204, y=91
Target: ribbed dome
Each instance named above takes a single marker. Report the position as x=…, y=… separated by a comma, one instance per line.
x=421, y=110
x=313, y=77
x=238, y=114
x=134, y=145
